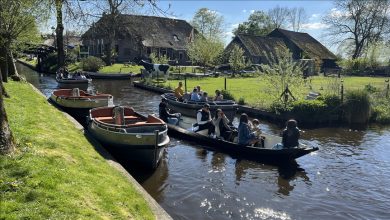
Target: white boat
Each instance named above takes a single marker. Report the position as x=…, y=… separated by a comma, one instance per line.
x=141, y=139
x=79, y=99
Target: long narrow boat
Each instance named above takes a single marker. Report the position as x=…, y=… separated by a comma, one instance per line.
x=265, y=154
x=80, y=99
x=116, y=76
x=190, y=108
x=141, y=139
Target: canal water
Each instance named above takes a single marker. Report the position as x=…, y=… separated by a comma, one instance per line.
x=348, y=178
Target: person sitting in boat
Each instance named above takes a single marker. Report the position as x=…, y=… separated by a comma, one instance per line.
x=222, y=128
x=256, y=127
x=245, y=135
x=204, y=121
x=165, y=114
x=194, y=95
x=204, y=97
x=200, y=92
x=218, y=95
x=179, y=93
x=290, y=134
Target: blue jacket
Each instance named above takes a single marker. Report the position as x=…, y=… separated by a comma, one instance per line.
x=195, y=96
x=244, y=134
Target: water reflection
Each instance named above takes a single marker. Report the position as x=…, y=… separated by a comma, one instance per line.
x=287, y=175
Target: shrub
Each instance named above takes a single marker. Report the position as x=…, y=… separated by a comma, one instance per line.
x=227, y=95
x=381, y=110
x=309, y=110
x=370, y=89
x=91, y=63
x=49, y=64
x=241, y=101
x=357, y=106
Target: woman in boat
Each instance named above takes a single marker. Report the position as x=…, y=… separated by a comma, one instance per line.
x=218, y=95
x=203, y=119
x=245, y=135
x=290, y=134
x=222, y=128
x=165, y=115
x=194, y=95
x=204, y=97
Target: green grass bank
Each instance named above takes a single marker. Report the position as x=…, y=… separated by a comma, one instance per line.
x=55, y=172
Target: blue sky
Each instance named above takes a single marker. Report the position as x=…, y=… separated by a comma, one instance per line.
x=235, y=12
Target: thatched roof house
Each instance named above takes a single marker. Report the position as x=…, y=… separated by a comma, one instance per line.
x=138, y=36
x=259, y=49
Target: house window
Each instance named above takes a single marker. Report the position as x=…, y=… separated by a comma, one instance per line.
x=175, y=38
x=180, y=55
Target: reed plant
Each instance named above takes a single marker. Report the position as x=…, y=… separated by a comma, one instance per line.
x=357, y=106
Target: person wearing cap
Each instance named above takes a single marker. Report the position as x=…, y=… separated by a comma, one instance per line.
x=179, y=92
x=203, y=118
x=165, y=115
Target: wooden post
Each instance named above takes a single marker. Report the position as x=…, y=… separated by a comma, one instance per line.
x=225, y=84
x=342, y=91
x=185, y=83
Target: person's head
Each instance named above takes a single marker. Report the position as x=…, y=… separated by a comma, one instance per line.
x=198, y=87
x=206, y=107
x=244, y=118
x=180, y=84
x=291, y=124
x=255, y=122
x=217, y=92
x=195, y=90
x=218, y=112
x=205, y=94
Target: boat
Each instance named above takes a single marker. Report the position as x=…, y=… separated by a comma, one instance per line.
x=190, y=108
x=265, y=154
x=80, y=99
x=69, y=81
x=116, y=76
x=141, y=139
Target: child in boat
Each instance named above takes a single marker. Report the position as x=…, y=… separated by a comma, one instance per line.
x=256, y=127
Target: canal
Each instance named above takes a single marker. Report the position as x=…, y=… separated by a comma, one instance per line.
x=348, y=178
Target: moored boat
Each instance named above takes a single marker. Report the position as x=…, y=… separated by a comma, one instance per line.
x=265, y=154
x=142, y=139
x=190, y=108
x=80, y=99
x=69, y=81
x=113, y=76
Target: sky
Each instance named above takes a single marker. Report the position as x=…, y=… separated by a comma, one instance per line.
x=236, y=12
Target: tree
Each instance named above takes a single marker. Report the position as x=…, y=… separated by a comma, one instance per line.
x=359, y=22
x=259, y=23
x=296, y=17
x=237, y=59
x=279, y=16
x=7, y=144
x=282, y=72
x=205, y=51
x=209, y=23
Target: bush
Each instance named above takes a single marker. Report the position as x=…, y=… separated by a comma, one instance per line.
x=227, y=95
x=381, y=110
x=92, y=64
x=304, y=110
x=357, y=67
x=357, y=106
x=241, y=101
x=49, y=64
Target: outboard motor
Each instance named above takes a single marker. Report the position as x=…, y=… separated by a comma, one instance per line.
x=76, y=92
x=119, y=115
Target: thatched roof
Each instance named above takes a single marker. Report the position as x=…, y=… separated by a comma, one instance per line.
x=260, y=45
x=305, y=42
x=152, y=31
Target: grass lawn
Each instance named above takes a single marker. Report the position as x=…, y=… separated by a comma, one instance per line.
x=55, y=172
x=121, y=68
x=31, y=62
x=258, y=93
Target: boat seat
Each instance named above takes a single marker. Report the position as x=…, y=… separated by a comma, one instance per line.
x=111, y=119
x=143, y=123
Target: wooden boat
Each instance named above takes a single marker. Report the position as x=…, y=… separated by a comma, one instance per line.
x=79, y=99
x=141, y=139
x=264, y=154
x=190, y=108
x=116, y=76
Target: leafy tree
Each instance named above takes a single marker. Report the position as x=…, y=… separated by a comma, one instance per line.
x=7, y=144
x=160, y=60
x=359, y=23
x=209, y=23
x=205, y=51
x=282, y=72
x=259, y=23
x=237, y=59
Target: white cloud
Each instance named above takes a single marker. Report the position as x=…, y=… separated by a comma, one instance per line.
x=235, y=25
x=335, y=13
x=244, y=11
x=315, y=15
x=252, y=11
x=314, y=26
